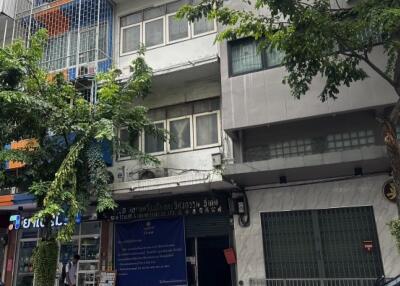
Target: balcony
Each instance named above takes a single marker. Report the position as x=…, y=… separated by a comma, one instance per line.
x=80, y=34
x=310, y=149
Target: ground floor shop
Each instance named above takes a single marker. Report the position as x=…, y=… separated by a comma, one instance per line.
x=173, y=241
x=170, y=241
x=85, y=241
x=318, y=231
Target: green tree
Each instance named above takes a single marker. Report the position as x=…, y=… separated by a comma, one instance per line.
x=65, y=168
x=328, y=38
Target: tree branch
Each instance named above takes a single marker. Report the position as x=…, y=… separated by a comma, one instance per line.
x=373, y=66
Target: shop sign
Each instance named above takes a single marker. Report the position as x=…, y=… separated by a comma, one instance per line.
x=389, y=190
x=151, y=252
x=368, y=246
x=193, y=206
x=18, y=222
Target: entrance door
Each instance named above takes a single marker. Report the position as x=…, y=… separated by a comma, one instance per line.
x=206, y=261
x=213, y=268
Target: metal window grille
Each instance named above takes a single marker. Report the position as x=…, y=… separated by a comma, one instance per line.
x=70, y=24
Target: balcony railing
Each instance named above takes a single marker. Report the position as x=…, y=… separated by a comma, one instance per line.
x=314, y=282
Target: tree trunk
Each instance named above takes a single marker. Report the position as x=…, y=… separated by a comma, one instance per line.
x=393, y=150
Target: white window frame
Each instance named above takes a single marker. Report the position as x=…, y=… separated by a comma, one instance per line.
x=144, y=32
x=167, y=30
x=190, y=117
x=205, y=33
x=121, y=52
x=118, y=155
x=218, y=129
x=165, y=142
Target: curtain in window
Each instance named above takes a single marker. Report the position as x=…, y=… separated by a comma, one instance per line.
x=154, y=33
x=131, y=39
x=87, y=46
x=154, y=143
x=244, y=57
x=180, y=134
x=178, y=29
x=202, y=25
x=274, y=57
x=207, y=129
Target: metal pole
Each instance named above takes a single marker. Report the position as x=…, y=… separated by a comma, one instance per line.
x=15, y=19
x=30, y=24
x=78, y=40
x=5, y=33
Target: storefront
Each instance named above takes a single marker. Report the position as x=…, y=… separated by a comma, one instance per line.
x=185, y=234
x=85, y=241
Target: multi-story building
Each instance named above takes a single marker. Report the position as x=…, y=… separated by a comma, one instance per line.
x=89, y=36
x=304, y=178
x=313, y=174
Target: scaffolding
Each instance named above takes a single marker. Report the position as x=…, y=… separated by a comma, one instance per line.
x=80, y=34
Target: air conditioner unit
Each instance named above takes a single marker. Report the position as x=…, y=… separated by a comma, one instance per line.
x=152, y=173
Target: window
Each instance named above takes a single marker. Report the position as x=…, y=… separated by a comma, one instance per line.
x=153, y=143
x=154, y=32
x=131, y=38
x=180, y=133
x=157, y=26
x=177, y=29
x=128, y=141
x=203, y=26
x=244, y=57
x=207, y=129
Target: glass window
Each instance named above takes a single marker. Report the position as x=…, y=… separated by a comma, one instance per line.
x=90, y=228
x=177, y=29
x=273, y=57
x=174, y=6
x=67, y=251
x=131, y=19
x=206, y=129
x=153, y=13
x=90, y=248
x=131, y=39
x=245, y=57
x=25, y=267
x=154, y=32
x=128, y=141
x=202, y=26
x=180, y=134
x=154, y=143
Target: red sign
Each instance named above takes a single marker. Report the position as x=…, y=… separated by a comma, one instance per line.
x=230, y=256
x=9, y=265
x=368, y=246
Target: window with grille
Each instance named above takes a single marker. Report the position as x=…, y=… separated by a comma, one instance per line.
x=325, y=243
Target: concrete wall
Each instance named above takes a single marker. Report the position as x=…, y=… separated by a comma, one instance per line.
x=261, y=98
x=365, y=191
x=169, y=57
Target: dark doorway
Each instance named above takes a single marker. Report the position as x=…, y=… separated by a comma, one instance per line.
x=212, y=267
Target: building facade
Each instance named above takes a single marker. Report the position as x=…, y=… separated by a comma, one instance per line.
x=253, y=187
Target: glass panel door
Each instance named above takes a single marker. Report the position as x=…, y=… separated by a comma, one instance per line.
x=24, y=267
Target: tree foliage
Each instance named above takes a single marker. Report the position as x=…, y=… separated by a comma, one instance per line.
x=65, y=169
x=324, y=39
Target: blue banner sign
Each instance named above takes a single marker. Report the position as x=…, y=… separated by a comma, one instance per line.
x=28, y=223
x=151, y=253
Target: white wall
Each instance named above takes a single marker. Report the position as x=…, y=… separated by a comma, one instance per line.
x=364, y=191
x=183, y=54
